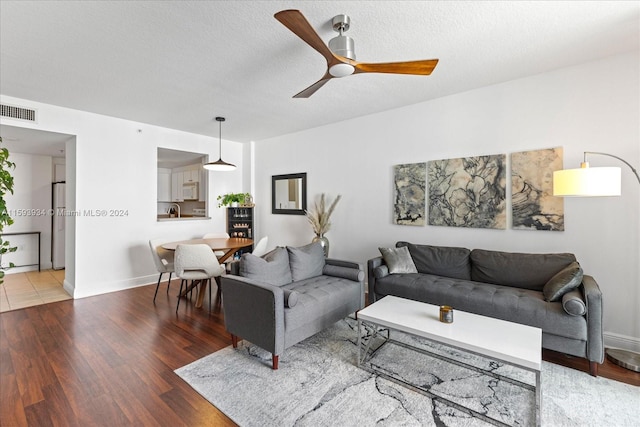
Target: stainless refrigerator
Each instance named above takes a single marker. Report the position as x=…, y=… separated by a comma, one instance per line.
x=57, y=225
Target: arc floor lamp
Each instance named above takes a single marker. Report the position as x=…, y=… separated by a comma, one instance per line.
x=593, y=182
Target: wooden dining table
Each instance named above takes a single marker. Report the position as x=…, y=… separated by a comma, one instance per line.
x=227, y=245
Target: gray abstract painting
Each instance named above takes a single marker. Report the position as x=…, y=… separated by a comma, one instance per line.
x=468, y=192
x=532, y=202
x=410, y=183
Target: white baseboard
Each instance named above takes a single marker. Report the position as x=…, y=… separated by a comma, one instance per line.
x=612, y=340
x=68, y=287
x=120, y=285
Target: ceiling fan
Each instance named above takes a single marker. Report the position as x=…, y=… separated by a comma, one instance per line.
x=340, y=53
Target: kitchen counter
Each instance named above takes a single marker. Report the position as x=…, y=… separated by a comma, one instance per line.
x=164, y=218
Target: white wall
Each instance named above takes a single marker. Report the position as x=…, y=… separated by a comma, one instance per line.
x=28, y=206
x=591, y=107
x=112, y=165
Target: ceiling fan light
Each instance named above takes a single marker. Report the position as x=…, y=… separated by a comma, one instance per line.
x=341, y=70
x=343, y=46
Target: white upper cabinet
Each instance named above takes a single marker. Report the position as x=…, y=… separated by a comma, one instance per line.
x=164, y=185
x=177, y=179
x=191, y=175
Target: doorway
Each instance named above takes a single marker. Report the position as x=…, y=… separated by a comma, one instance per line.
x=41, y=158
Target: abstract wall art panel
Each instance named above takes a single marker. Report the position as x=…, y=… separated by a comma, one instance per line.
x=532, y=202
x=468, y=192
x=410, y=183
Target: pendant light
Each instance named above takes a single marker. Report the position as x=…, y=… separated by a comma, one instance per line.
x=220, y=165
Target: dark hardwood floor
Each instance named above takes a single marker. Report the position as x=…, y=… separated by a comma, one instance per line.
x=109, y=360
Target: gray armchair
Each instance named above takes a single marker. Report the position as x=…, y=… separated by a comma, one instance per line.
x=279, y=311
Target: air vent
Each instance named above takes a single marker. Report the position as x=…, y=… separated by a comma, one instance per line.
x=17, y=113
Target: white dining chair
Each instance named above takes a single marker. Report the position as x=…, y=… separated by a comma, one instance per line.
x=261, y=247
x=196, y=262
x=163, y=260
x=216, y=236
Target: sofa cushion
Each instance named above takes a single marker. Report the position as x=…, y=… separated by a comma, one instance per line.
x=440, y=260
x=321, y=301
x=562, y=282
x=502, y=302
x=271, y=268
x=306, y=261
x=398, y=260
x=520, y=270
x=573, y=303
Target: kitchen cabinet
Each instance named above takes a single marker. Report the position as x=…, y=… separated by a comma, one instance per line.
x=164, y=185
x=192, y=175
x=180, y=176
x=177, y=179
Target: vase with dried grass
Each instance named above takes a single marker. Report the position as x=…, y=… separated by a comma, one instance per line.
x=319, y=220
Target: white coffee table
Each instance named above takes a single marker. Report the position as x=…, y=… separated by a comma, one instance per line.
x=508, y=342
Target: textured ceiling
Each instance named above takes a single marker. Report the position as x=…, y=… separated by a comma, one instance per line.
x=178, y=64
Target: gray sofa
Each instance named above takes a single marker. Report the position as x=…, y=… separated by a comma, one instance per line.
x=287, y=295
x=548, y=291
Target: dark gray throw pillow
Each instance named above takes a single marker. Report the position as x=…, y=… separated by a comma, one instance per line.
x=573, y=303
x=440, y=260
x=306, y=261
x=562, y=282
x=271, y=268
x=398, y=260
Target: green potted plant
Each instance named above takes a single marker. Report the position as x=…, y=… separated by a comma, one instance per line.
x=233, y=199
x=6, y=185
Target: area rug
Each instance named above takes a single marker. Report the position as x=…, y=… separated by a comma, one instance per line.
x=319, y=384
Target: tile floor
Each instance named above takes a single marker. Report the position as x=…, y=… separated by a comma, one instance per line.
x=22, y=290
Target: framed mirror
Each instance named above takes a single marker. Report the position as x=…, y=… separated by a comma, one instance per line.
x=289, y=194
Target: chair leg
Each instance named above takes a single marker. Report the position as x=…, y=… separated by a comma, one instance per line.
x=179, y=292
x=593, y=368
x=191, y=290
x=234, y=340
x=210, y=284
x=219, y=292
x=274, y=361
x=157, y=285
x=169, y=282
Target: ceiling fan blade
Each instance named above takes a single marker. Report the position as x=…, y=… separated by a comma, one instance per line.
x=298, y=24
x=422, y=67
x=314, y=87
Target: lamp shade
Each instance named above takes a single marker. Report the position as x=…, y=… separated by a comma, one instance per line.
x=219, y=165
x=587, y=182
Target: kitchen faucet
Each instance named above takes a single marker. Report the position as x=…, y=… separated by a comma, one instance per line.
x=177, y=205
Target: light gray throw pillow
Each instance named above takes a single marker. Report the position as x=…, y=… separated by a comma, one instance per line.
x=398, y=260
x=573, y=303
x=306, y=261
x=271, y=268
x=562, y=282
